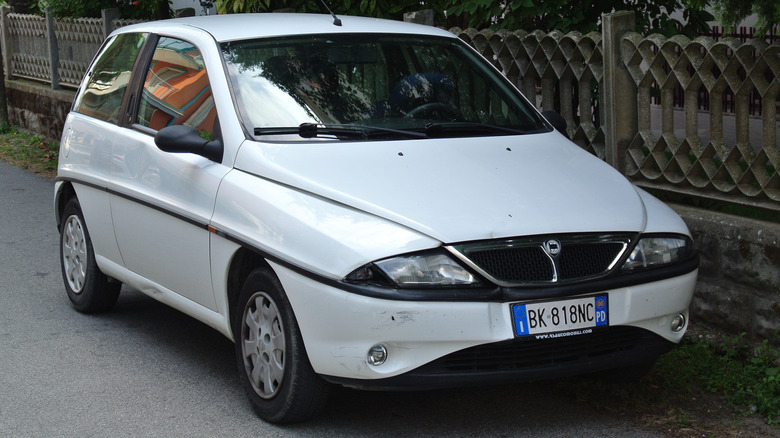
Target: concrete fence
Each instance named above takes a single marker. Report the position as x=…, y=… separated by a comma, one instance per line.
x=53, y=51
x=604, y=84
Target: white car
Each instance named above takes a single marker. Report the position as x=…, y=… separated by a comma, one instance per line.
x=366, y=203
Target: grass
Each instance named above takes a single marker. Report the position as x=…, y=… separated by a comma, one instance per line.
x=28, y=151
x=745, y=375
x=748, y=376
x=709, y=385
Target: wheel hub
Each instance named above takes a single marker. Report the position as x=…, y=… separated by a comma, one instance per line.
x=74, y=253
x=263, y=345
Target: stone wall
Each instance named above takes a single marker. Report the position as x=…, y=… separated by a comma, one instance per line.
x=37, y=108
x=739, y=274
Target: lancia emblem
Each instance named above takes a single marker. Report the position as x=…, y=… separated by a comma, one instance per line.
x=552, y=247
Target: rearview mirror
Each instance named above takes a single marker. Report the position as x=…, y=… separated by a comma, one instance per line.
x=186, y=139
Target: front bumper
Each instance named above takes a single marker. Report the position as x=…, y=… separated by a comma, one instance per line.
x=340, y=327
x=527, y=360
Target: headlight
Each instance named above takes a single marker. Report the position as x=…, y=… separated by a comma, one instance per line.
x=418, y=270
x=652, y=252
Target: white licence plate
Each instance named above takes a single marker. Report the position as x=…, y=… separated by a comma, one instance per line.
x=572, y=317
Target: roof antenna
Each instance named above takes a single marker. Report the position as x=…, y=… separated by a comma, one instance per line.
x=336, y=20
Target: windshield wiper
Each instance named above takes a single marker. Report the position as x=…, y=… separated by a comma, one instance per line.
x=447, y=129
x=311, y=130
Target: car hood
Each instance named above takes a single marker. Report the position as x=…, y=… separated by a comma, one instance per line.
x=463, y=189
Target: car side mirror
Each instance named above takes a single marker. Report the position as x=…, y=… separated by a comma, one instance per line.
x=557, y=120
x=186, y=139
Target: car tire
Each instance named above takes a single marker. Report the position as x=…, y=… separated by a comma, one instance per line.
x=88, y=288
x=273, y=365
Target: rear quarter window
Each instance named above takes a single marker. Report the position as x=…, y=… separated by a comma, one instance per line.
x=105, y=86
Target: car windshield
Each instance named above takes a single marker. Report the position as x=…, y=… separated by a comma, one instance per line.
x=377, y=86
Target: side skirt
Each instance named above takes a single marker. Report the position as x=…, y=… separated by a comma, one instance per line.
x=207, y=316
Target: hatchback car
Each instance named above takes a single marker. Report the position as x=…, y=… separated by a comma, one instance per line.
x=366, y=203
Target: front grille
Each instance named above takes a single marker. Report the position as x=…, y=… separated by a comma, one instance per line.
x=523, y=354
x=584, y=260
x=544, y=259
x=530, y=263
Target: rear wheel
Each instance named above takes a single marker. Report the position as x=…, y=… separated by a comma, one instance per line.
x=274, y=368
x=88, y=289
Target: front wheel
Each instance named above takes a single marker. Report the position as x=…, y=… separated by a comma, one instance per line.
x=272, y=361
x=88, y=288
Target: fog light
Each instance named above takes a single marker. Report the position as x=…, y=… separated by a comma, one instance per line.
x=678, y=323
x=377, y=355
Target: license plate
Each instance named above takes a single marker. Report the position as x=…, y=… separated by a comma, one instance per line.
x=560, y=318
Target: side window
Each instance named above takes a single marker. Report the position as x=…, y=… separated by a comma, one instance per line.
x=176, y=89
x=105, y=88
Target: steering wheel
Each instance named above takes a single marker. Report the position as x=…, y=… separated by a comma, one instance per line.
x=433, y=108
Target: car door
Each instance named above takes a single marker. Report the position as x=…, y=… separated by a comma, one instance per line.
x=162, y=202
x=91, y=129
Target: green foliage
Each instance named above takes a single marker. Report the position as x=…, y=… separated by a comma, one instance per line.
x=741, y=376
x=28, y=151
x=563, y=15
x=747, y=376
x=368, y=8
x=206, y=135
x=128, y=9
x=732, y=12
x=705, y=385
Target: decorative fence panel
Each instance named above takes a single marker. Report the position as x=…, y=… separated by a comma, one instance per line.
x=121, y=22
x=682, y=150
x=31, y=43
x=701, y=160
x=28, y=47
x=78, y=40
x=556, y=72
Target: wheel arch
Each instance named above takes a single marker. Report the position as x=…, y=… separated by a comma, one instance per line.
x=244, y=261
x=64, y=192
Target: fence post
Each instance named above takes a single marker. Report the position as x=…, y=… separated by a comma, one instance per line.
x=620, y=91
x=4, y=11
x=108, y=16
x=54, y=52
x=4, y=121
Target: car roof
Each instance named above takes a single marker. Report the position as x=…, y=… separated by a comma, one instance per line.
x=232, y=27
